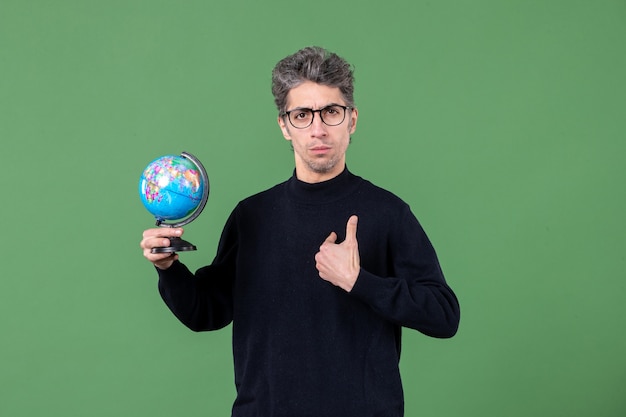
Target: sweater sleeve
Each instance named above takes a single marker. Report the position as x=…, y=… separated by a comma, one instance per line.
x=203, y=300
x=415, y=295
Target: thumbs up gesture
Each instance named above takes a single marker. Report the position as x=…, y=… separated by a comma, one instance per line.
x=339, y=263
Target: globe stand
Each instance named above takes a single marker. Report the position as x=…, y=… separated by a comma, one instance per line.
x=177, y=244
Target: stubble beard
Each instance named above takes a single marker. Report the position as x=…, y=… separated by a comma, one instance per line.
x=323, y=166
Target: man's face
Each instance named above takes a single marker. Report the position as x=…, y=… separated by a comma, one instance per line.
x=319, y=149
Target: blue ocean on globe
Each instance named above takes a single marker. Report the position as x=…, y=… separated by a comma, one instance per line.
x=171, y=187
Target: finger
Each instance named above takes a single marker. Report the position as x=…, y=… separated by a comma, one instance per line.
x=156, y=256
x=153, y=242
x=332, y=238
x=158, y=237
x=163, y=232
x=156, y=242
x=351, y=228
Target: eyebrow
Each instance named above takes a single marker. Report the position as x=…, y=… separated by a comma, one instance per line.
x=308, y=108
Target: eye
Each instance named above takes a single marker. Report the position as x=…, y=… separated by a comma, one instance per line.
x=300, y=114
x=332, y=110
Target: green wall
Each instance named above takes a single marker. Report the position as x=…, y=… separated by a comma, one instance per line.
x=502, y=123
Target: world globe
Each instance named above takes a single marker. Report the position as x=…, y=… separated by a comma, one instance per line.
x=174, y=189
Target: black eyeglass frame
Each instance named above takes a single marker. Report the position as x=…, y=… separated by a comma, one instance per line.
x=345, y=110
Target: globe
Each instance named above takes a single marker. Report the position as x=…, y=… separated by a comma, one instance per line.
x=174, y=189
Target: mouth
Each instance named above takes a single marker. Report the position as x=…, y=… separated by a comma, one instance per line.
x=320, y=150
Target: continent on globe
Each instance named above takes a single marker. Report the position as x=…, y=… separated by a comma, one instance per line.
x=171, y=187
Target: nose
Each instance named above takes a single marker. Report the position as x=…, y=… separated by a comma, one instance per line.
x=318, y=128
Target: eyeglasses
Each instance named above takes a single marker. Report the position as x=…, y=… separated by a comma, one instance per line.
x=332, y=115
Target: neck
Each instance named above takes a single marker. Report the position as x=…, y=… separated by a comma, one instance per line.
x=336, y=188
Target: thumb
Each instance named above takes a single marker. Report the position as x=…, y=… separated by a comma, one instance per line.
x=351, y=228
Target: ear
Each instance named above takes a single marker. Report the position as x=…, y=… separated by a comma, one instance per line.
x=284, y=128
x=353, y=120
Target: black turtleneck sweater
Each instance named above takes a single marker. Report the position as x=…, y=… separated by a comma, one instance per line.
x=303, y=347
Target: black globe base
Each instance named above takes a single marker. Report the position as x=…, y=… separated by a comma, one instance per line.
x=176, y=245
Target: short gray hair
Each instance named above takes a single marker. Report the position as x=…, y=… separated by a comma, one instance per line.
x=312, y=64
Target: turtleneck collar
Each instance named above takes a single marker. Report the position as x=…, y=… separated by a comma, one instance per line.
x=323, y=192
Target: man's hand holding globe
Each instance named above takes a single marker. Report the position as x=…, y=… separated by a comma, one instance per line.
x=159, y=237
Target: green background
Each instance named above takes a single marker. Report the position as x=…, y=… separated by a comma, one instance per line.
x=502, y=123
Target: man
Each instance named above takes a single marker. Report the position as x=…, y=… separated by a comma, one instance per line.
x=317, y=274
